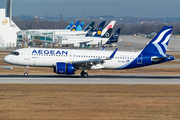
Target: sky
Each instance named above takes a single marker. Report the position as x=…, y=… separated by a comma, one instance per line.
x=78, y=8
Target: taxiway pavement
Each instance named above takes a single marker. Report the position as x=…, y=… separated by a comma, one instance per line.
x=93, y=79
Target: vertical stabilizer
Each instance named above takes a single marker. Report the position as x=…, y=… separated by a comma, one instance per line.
x=8, y=36
x=98, y=29
x=110, y=25
x=88, y=27
x=79, y=28
x=114, y=37
x=75, y=26
x=107, y=34
x=158, y=45
x=89, y=33
x=69, y=26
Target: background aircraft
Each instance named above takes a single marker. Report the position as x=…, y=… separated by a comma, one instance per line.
x=69, y=26
x=78, y=41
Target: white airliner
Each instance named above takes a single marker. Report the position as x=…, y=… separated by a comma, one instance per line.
x=67, y=61
x=76, y=41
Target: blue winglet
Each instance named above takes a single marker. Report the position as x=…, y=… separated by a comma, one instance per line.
x=112, y=55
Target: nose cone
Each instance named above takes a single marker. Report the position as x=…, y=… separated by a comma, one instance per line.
x=7, y=59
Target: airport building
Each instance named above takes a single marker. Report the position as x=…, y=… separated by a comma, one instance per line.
x=33, y=38
x=11, y=36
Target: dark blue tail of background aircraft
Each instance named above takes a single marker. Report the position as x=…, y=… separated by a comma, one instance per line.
x=114, y=37
x=89, y=33
x=99, y=29
x=107, y=34
x=89, y=26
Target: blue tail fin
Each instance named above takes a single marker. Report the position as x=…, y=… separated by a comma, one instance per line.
x=159, y=43
x=89, y=33
x=99, y=29
x=88, y=27
x=79, y=28
x=69, y=26
x=82, y=24
x=75, y=25
x=114, y=37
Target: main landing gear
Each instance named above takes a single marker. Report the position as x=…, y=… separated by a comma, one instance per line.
x=84, y=74
x=26, y=73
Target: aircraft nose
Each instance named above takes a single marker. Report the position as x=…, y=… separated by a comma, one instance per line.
x=7, y=59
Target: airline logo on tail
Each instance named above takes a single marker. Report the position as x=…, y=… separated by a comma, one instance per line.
x=99, y=32
x=73, y=28
x=161, y=42
x=116, y=35
x=5, y=21
x=107, y=35
x=158, y=45
x=110, y=26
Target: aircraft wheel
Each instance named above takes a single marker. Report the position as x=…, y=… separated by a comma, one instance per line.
x=25, y=74
x=84, y=74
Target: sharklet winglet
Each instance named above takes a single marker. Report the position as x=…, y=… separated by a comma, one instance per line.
x=112, y=55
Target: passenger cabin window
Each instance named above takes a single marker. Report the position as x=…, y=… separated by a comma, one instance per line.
x=15, y=53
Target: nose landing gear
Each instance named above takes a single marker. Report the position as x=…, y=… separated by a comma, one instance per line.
x=26, y=73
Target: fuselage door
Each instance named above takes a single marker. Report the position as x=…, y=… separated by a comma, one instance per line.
x=27, y=55
x=139, y=59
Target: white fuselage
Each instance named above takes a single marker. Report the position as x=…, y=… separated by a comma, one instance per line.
x=40, y=57
x=59, y=32
x=82, y=39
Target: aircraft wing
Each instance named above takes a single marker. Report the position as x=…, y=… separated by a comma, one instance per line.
x=87, y=64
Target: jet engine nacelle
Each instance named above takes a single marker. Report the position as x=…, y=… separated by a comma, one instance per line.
x=64, y=68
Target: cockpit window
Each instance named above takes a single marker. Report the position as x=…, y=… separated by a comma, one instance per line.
x=15, y=53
